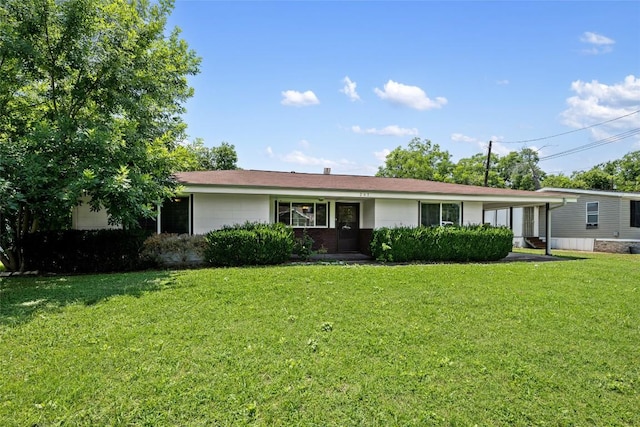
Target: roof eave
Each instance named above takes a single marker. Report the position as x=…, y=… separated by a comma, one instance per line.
x=365, y=194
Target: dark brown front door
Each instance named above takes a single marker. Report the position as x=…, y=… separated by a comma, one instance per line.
x=348, y=225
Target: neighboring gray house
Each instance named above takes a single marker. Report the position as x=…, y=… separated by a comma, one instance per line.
x=604, y=221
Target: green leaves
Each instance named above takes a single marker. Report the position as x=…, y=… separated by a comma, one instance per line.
x=197, y=157
x=424, y=160
x=437, y=244
x=91, y=93
x=421, y=160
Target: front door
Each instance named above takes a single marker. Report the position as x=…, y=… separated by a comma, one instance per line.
x=348, y=225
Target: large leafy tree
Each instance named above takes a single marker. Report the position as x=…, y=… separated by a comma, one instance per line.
x=472, y=171
x=91, y=93
x=197, y=157
x=595, y=178
x=420, y=160
x=560, y=181
x=620, y=175
x=520, y=170
x=629, y=172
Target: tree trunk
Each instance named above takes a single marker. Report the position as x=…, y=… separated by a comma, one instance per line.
x=9, y=260
x=14, y=229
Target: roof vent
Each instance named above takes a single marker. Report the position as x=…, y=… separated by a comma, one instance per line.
x=327, y=171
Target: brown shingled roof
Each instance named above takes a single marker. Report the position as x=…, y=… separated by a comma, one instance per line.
x=293, y=180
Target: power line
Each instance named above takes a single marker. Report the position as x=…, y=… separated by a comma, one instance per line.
x=594, y=144
x=568, y=132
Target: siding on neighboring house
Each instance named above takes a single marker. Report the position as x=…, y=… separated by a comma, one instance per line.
x=571, y=220
x=626, y=231
x=542, y=222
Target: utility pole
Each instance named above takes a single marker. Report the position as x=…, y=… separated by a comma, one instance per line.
x=486, y=171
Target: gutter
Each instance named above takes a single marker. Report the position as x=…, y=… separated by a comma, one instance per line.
x=564, y=202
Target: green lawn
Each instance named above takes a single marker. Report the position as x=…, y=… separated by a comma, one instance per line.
x=550, y=343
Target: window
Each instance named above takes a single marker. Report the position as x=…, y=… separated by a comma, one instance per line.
x=149, y=224
x=434, y=214
x=592, y=214
x=308, y=214
x=635, y=213
x=174, y=216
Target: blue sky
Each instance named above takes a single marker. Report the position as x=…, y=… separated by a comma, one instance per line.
x=300, y=86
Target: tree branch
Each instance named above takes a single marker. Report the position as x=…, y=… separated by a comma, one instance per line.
x=52, y=77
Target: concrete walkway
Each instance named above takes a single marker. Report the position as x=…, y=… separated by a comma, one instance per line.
x=524, y=257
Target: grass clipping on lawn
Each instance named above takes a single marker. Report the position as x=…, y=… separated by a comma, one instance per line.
x=552, y=343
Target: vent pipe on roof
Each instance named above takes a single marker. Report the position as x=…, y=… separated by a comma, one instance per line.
x=327, y=171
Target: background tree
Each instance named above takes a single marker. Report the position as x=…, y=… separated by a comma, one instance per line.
x=91, y=93
x=471, y=171
x=560, y=181
x=520, y=170
x=197, y=157
x=629, y=172
x=595, y=178
x=420, y=160
x=619, y=175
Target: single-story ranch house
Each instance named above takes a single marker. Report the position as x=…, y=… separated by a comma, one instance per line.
x=338, y=211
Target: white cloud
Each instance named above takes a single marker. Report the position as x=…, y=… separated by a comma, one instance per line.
x=300, y=158
x=458, y=137
x=496, y=146
x=349, y=89
x=392, y=130
x=382, y=155
x=596, y=102
x=410, y=96
x=599, y=43
x=501, y=149
x=294, y=98
x=503, y=82
x=306, y=163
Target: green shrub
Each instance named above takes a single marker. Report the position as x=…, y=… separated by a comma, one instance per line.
x=249, y=244
x=303, y=246
x=85, y=251
x=174, y=250
x=450, y=243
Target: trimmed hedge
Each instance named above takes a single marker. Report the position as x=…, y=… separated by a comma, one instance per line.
x=249, y=244
x=448, y=243
x=85, y=251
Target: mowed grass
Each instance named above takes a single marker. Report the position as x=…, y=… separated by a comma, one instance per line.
x=550, y=343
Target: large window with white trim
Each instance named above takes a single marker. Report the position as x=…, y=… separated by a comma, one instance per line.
x=303, y=214
x=435, y=214
x=593, y=214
